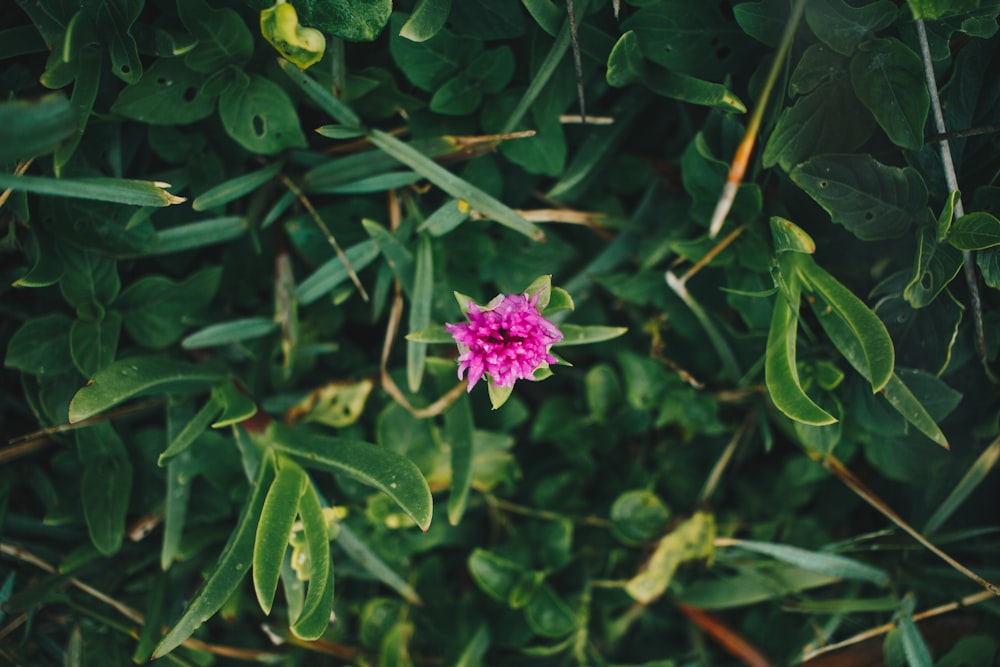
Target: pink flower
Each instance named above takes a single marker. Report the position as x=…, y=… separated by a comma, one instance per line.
x=509, y=341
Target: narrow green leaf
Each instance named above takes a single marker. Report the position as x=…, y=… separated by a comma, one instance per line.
x=387, y=471
x=237, y=406
x=231, y=568
x=36, y=127
x=474, y=651
x=117, y=190
x=975, y=231
x=315, y=616
x=970, y=481
x=138, y=376
x=780, y=372
x=914, y=646
x=180, y=475
x=227, y=333
x=397, y=255
x=223, y=193
x=321, y=96
x=104, y=490
x=459, y=431
x=454, y=185
x=155, y=608
x=370, y=561
x=751, y=587
x=434, y=334
x=863, y=325
x=427, y=19
x=194, y=428
x=333, y=272
x=574, y=334
x=446, y=218
x=274, y=529
x=198, y=234
x=818, y=561
x=420, y=312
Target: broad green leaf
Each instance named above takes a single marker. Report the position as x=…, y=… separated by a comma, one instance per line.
x=93, y=344
x=234, y=188
x=872, y=200
x=333, y=272
x=36, y=127
x=947, y=217
x=936, y=266
x=46, y=262
x=237, y=406
x=394, y=475
x=231, y=568
x=427, y=19
x=828, y=119
x=227, y=333
x=817, y=561
x=274, y=528
x=117, y=190
x=548, y=615
x=198, y=235
x=637, y=517
x=89, y=283
x=863, y=326
x=138, y=376
x=458, y=433
x=627, y=65
x=261, y=117
x=888, y=78
x=971, y=480
x=765, y=582
x=420, y=311
x=192, y=430
x=167, y=94
x=432, y=61
x=975, y=231
x=156, y=308
x=764, y=21
x=780, y=368
x=104, y=490
x=935, y=9
x=842, y=27
x=315, y=616
x=498, y=395
x=116, y=18
x=455, y=186
x=575, y=334
x=41, y=346
x=496, y=576
x=690, y=540
x=301, y=45
x=352, y=20
x=223, y=36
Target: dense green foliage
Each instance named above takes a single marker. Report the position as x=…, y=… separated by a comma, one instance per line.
x=231, y=406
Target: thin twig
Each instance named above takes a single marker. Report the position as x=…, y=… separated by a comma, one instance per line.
x=967, y=601
x=18, y=171
x=727, y=455
x=523, y=510
x=968, y=258
x=288, y=183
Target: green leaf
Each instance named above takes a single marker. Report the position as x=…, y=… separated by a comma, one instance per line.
x=455, y=186
x=261, y=117
x=93, y=344
x=432, y=61
x=970, y=481
x=498, y=395
x=361, y=554
x=397, y=256
x=764, y=21
x=691, y=540
x=105, y=486
x=192, y=430
x=89, y=283
x=180, y=474
x=914, y=647
x=434, y=334
x=223, y=36
x=496, y=576
x=318, y=605
x=842, y=27
x=237, y=406
x=936, y=266
x=833, y=565
x=333, y=272
x=167, y=94
x=765, y=582
x=197, y=235
x=138, y=376
x=975, y=231
x=420, y=311
x=780, y=368
x=627, y=65
x=155, y=307
x=864, y=327
x=548, y=615
x=274, y=528
x=229, y=571
x=872, y=200
x=37, y=127
x=117, y=190
x=234, y=188
x=227, y=333
x=458, y=433
x=427, y=19
x=828, y=119
x=322, y=96
x=888, y=78
x=41, y=346
x=84, y=94
x=116, y=18
x=637, y=517
x=353, y=20
x=935, y=9
x=280, y=26
x=907, y=404
x=394, y=475
x=574, y=334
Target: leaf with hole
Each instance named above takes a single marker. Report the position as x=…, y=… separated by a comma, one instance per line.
x=261, y=117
